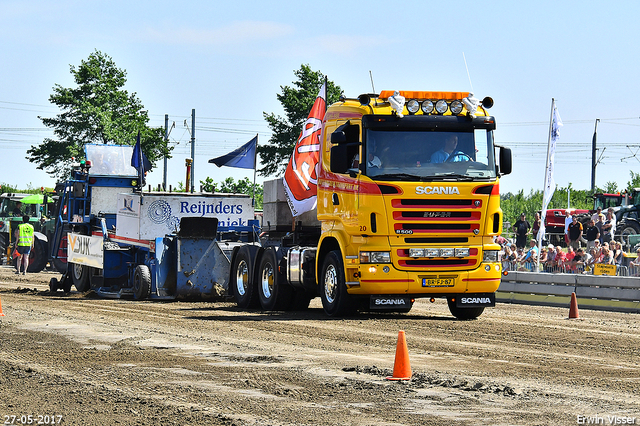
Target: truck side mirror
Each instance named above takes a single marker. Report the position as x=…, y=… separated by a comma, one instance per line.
x=338, y=137
x=346, y=133
x=505, y=160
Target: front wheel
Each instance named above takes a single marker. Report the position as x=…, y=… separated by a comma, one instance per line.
x=141, y=282
x=80, y=276
x=333, y=289
x=464, y=313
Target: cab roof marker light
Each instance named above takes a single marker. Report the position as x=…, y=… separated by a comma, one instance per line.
x=420, y=95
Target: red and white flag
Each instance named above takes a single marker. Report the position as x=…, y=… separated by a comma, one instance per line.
x=301, y=175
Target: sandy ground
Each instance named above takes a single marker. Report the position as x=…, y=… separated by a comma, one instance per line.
x=80, y=360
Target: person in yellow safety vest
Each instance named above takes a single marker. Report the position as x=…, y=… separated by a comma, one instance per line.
x=25, y=244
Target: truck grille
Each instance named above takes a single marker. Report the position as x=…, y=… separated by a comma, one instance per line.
x=437, y=222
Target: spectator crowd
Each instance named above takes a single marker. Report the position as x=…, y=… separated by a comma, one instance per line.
x=600, y=247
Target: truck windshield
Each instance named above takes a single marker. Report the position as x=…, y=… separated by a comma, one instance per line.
x=429, y=155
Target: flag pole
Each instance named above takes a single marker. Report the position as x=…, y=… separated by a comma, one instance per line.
x=546, y=181
x=255, y=166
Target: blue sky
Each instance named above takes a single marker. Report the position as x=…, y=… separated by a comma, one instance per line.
x=227, y=60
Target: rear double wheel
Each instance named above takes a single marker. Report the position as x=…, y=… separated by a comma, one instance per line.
x=274, y=292
x=244, y=287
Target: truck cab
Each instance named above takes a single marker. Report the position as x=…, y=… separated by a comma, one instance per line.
x=409, y=198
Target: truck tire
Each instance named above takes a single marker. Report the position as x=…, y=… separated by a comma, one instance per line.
x=141, y=282
x=333, y=289
x=628, y=228
x=273, y=291
x=53, y=285
x=38, y=256
x=464, y=314
x=80, y=276
x=4, y=243
x=241, y=282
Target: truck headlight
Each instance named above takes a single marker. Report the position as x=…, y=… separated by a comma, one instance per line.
x=375, y=257
x=462, y=252
x=456, y=107
x=413, y=106
x=490, y=256
x=416, y=252
x=447, y=252
x=427, y=106
x=442, y=106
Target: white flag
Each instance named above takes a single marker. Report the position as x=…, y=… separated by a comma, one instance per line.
x=549, y=183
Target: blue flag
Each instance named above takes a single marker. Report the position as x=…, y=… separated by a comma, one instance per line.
x=243, y=157
x=139, y=161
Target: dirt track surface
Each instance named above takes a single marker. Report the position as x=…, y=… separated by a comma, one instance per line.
x=122, y=362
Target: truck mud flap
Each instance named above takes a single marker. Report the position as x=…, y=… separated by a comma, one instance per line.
x=478, y=300
x=390, y=302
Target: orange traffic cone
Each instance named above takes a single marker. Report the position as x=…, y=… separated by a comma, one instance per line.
x=1, y=314
x=573, y=308
x=401, y=367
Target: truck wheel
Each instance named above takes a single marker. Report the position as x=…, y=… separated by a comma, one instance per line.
x=464, y=313
x=53, y=285
x=141, y=282
x=627, y=229
x=38, y=256
x=244, y=288
x=333, y=290
x=274, y=293
x=80, y=277
x=3, y=247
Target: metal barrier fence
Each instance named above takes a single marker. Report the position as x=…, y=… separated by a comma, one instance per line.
x=621, y=293
x=566, y=268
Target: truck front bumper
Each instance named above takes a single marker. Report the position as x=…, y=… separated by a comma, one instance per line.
x=385, y=279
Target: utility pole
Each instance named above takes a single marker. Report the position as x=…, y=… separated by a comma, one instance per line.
x=166, y=140
x=193, y=147
x=593, y=157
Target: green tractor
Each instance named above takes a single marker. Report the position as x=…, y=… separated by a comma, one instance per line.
x=13, y=206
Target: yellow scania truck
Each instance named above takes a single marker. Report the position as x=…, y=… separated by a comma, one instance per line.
x=408, y=206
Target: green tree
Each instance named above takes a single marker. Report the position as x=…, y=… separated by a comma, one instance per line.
x=97, y=110
x=230, y=186
x=297, y=102
x=634, y=182
x=514, y=204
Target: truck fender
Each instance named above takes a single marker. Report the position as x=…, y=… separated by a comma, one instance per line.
x=326, y=245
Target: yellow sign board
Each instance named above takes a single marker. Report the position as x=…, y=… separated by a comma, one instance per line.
x=602, y=269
